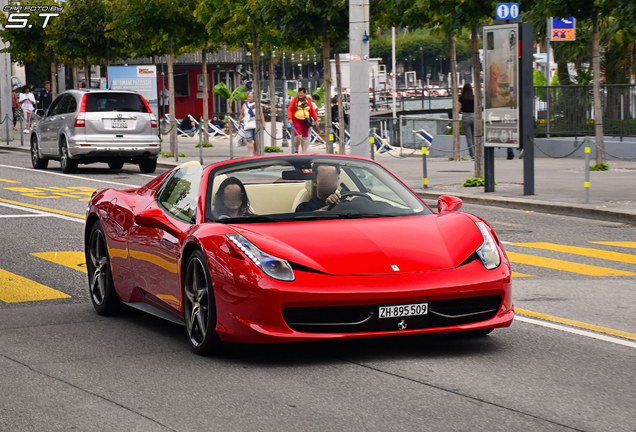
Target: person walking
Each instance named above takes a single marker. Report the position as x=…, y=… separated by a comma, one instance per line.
x=467, y=108
x=248, y=120
x=15, y=105
x=46, y=96
x=27, y=103
x=301, y=112
x=164, y=102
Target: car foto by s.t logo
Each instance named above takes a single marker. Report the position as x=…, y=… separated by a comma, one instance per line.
x=18, y=15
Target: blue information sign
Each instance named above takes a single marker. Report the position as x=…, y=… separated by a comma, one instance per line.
x=507, y=11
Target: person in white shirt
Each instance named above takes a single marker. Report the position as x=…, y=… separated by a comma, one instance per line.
x=248, y=118
x=27, y=103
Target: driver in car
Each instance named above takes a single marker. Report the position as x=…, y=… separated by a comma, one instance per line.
x=326, y=184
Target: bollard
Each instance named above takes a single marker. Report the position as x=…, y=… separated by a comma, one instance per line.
x=425, y=174
x=231, y=138
x=21, y=131
x=200, y=143
x=293, y=137
x=587, y=174
x=372, y=145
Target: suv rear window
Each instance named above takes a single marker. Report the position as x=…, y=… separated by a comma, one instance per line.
x=123, y=102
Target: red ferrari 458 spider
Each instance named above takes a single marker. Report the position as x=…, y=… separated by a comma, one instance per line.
x=294, y=248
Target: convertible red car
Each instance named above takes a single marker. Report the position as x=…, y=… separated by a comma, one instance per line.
x=294, y=248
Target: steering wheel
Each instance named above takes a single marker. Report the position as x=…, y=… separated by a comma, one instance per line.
x=350, y=194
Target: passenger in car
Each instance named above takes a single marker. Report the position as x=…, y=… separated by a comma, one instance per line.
x=326, y=185
x=231, y=199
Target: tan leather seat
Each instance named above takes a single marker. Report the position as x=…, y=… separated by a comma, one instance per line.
x=304, y=195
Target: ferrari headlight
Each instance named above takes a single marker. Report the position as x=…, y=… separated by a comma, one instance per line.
x=271, y=265
x=488, y=252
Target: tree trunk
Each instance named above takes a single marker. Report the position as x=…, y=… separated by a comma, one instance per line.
x=204, y=72
x=563, y=74
x=598, y=114
x=74, y=74
x=173, y=117
x=272, y=100
x=479, y=162
x=87, y=73
x=257, y=92
x=453, y=69
x=53, y=78
x=341, y=122
x=327, y=72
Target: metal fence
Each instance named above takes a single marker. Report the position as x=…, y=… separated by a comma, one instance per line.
x=569, y=110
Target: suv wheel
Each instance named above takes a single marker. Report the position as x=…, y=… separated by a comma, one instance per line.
x=148, y=166
x=36, y=160
x=115, y=165
x=69, y=166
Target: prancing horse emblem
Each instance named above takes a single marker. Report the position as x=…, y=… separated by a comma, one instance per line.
x=402, y=325
x=395, y=268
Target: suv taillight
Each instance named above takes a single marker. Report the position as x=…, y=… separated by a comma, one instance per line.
x=153, y=118
x=80, y=118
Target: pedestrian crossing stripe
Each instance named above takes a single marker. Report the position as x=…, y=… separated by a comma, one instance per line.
x=15, y=288
x=74, y=260
x=588, y=252
x=627, y=244
x=568, y=266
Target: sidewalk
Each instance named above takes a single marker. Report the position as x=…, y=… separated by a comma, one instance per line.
x=558, y=182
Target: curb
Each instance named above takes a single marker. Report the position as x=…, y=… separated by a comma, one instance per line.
x=571, y=209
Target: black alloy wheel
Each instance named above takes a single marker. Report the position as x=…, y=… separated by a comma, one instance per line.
x=199, y=307
x=36, y=160
x=69, y=166
x=100, y=278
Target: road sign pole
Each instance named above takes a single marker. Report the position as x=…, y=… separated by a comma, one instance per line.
x=526, y=114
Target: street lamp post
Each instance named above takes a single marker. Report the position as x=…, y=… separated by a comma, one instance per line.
x=293, y=68
x=262, y=71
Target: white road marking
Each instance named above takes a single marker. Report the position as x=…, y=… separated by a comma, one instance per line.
x=42, y=213
x=576, y=331
x=71, y=176
x=23, y=216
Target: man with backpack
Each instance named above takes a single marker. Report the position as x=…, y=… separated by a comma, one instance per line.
x=301, y=112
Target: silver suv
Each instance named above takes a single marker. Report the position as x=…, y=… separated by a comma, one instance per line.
x=86, y=126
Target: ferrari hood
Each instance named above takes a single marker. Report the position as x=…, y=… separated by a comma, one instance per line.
x=370, y=246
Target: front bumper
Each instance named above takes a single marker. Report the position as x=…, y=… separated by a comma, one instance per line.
x=269, y=311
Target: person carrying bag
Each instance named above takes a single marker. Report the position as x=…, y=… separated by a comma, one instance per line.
x=248, y=120
x=301, y=112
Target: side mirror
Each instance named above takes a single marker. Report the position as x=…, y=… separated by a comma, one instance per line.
x=155, y=218
x=40, y=112
x=447, y=203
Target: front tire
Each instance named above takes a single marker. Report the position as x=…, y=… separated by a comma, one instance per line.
x=68, y=165
x=148, y=166
x=36, y=160
x=100, y=278
x=199, y=307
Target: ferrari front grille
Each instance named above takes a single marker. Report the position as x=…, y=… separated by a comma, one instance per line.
x=364, y=319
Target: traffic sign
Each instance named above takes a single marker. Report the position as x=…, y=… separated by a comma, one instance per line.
x=562, y=29
x=507, y=11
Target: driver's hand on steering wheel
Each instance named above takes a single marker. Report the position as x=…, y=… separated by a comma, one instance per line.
x=334, y=198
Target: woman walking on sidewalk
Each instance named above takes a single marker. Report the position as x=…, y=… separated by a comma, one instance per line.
x=27, y=102
x=248, y=117
x=467, y=108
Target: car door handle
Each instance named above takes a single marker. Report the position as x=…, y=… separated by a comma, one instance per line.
x=61, y=118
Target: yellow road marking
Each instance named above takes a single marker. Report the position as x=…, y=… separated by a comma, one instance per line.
x=627, y=244
x=42, y=208
x=585, y=269
x=74, y=260
x=9, y=181
x=15, y=288
x=593, y=253
x=517, y=274
x=578, y=324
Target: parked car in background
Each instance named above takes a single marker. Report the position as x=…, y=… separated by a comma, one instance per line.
x=16, y=84
x=86, y=126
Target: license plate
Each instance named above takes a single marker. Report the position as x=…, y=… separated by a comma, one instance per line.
x=403, y=310
x=118, y=123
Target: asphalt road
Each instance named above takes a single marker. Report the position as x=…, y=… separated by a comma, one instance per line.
x=566, y=363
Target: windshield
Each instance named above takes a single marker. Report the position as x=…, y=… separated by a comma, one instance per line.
x=307, y=188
